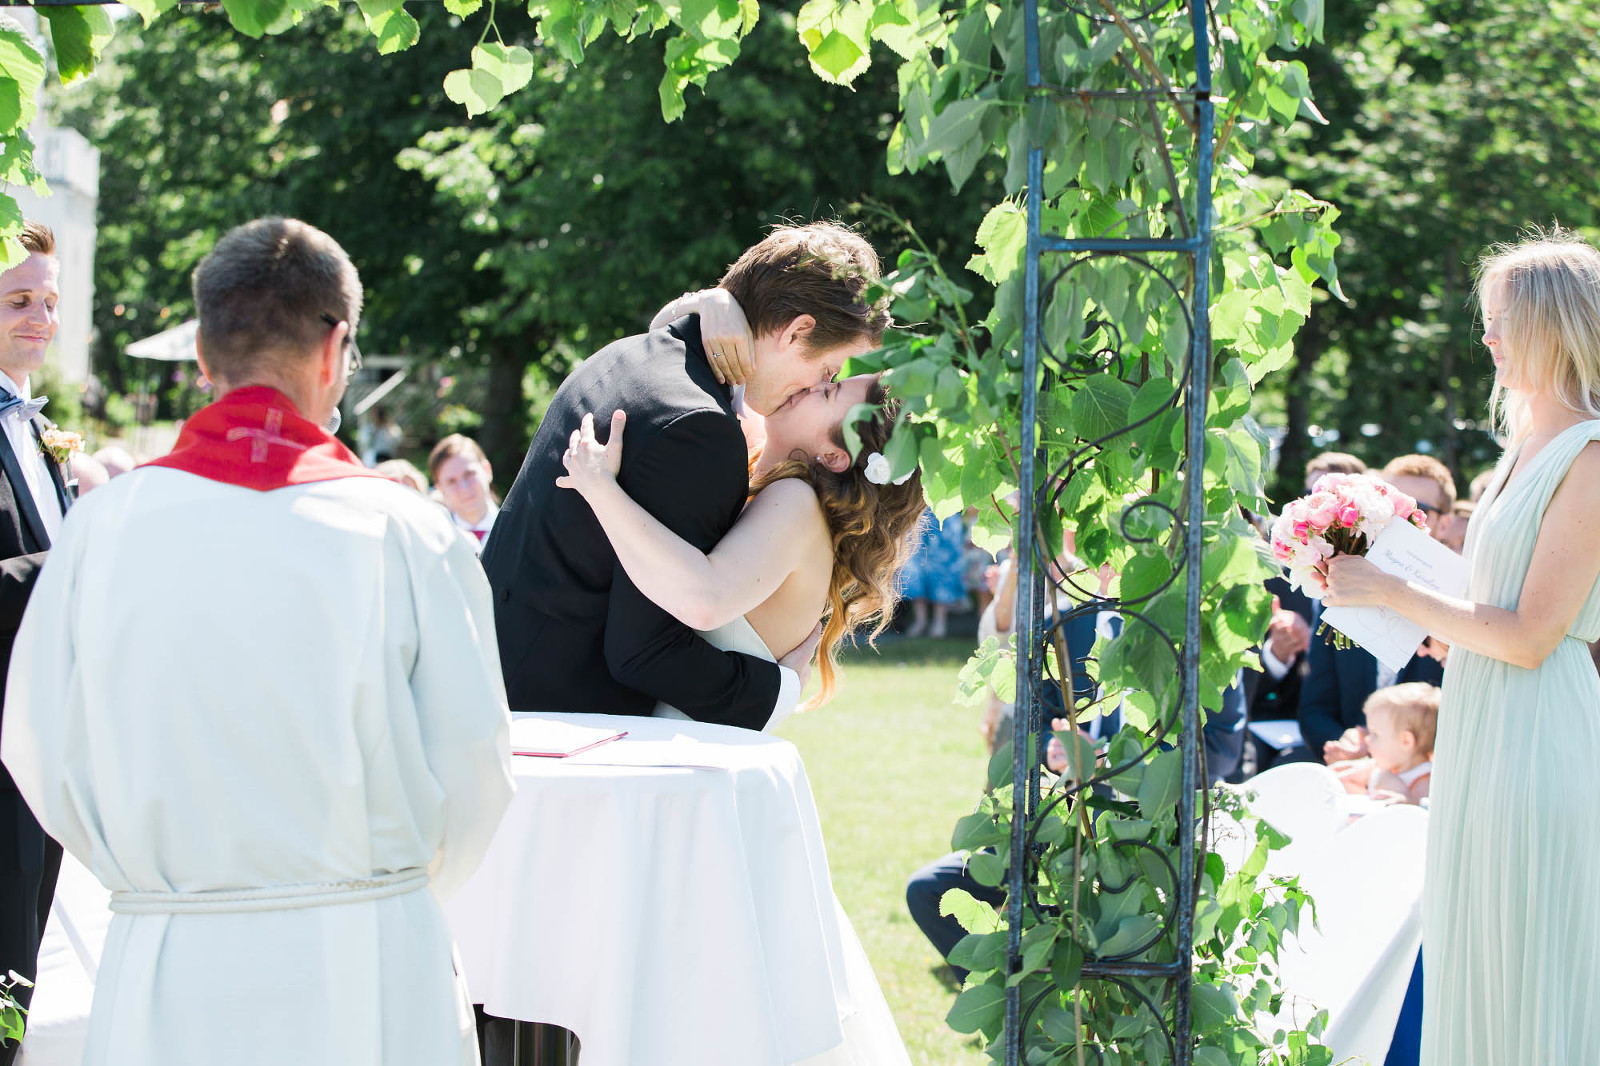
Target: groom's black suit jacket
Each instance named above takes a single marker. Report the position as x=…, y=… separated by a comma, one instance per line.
x=575, y=633
x=28, y=859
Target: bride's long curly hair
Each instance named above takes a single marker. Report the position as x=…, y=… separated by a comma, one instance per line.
x=871, y=528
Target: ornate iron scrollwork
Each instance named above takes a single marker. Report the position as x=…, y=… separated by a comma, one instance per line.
x=1049, y=600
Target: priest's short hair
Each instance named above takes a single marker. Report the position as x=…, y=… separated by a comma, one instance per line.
x=268, y=291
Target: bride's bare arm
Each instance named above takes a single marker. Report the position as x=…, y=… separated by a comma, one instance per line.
x=702, y=590
x=1565, y=566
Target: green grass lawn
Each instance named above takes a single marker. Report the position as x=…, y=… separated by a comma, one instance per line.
x=893, y=762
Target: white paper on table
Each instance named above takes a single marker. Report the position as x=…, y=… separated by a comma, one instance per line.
x=556, y=739
x=1278, y=735
x=1405, y=551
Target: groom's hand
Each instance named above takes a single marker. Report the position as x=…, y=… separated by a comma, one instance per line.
x=799, y=660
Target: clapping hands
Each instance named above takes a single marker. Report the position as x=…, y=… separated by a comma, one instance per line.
x=1288, y=634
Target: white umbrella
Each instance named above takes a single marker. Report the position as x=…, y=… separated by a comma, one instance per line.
x=175, y=345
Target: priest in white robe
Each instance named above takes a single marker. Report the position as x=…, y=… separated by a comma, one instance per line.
x=257, y=693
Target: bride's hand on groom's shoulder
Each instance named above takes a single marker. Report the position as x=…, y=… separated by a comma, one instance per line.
x=724, y=332
x=590, y=463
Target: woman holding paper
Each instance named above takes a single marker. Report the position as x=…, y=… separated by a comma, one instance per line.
x=1511, y=934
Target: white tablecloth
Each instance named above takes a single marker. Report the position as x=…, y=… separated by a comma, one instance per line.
x=666, y=897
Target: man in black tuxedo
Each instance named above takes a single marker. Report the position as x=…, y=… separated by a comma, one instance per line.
x=575, y=633
x=33, y=501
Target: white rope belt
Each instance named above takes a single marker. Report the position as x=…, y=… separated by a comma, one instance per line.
x=276, y=898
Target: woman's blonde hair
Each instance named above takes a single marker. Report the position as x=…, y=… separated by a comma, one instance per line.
x=870, y=526
x=1550, y=322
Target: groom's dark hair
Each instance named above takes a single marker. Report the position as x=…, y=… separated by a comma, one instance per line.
x=822, y=269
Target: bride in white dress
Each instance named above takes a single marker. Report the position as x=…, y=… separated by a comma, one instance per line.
x=822, y=538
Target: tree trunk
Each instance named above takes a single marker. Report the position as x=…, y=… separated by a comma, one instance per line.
x=504, y=434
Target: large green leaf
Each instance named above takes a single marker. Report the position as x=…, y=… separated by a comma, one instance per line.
x=21, y=61
x=511, y=67
x=257, y=18
x=1100, y=406
x=974, y=915
x=150, y=10
x=979, y=952
x=977, y=1008
x=1162, y=784
x=1003, y=236
x=476, y=90
x=79, y=35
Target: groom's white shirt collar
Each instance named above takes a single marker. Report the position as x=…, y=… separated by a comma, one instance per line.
x=12, y=387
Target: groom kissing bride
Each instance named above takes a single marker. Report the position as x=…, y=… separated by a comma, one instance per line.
x=654, y=588
x=669, y=569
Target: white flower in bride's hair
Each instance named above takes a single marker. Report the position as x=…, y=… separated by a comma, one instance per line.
x=877, y=469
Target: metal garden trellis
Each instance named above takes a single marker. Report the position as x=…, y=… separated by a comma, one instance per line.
x=1196, y=246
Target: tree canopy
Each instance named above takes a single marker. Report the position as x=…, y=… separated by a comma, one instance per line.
x=1452, y=125
x=498, y=248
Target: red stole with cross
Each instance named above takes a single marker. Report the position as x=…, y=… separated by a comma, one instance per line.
x=255, y=438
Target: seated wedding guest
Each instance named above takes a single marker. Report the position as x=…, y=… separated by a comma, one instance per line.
x=116, y=459
x=403, y=472
x=463, y=477
x=1339, y=680
x=1402, y=721
x=256, y=692
x=1223, y=738
x=87, y=472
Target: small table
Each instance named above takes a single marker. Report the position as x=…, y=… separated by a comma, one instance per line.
x=665, y=897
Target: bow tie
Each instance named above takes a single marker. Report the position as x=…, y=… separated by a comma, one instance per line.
x=22, y=410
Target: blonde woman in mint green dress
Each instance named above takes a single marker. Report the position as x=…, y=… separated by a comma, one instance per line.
x=1511, y=926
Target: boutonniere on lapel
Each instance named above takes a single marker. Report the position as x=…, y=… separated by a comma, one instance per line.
x=60, y=445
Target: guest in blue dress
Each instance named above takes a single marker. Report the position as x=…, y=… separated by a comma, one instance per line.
x=934, y=574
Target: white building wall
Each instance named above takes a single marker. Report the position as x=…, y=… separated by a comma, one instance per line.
x=71, y=166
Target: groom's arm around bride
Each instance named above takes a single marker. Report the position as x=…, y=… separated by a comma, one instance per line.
x=575, y=633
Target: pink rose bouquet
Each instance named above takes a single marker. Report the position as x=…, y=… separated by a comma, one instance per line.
x=1343, y=515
